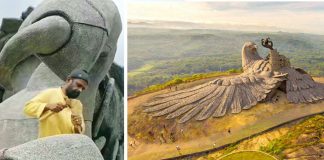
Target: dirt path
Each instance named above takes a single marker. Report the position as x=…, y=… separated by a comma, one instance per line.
x=281, y=114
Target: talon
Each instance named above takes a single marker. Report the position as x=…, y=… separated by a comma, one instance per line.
x=279, y=74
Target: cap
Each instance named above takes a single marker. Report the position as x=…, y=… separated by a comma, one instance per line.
x=79, y=74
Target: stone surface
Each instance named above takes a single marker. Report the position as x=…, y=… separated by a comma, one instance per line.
x=307, y=138
x=62, y=147
x=308, y=144
x=16, y=128
x=109, y=120
x=10, y=25
x=309, y=152
x=100, y=142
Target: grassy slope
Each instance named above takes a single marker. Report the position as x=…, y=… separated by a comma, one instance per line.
x=314, y=125
x=277, y=141
x=247, y=155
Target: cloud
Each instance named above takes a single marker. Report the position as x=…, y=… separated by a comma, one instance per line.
x=292, y=16
x=268, y=6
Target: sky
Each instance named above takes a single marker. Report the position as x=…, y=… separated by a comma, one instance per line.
x=305, y=17
x=14, y=8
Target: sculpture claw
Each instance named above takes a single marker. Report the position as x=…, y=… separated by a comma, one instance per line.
x=280, y=75
x=267, y=43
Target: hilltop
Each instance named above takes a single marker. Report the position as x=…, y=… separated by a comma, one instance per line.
x=157, y=55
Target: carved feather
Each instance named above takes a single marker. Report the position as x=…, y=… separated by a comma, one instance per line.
x=301, y=88
x=214, y=99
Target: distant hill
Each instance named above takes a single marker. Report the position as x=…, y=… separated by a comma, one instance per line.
x=192, y=25
x=156, y=55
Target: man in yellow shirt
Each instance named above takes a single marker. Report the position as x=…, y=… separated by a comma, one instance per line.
x=57, y=109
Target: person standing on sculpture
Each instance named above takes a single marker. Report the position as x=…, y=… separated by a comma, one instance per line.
x=58, y=110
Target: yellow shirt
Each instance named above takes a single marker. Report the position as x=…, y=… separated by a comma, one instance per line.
x=52, y=123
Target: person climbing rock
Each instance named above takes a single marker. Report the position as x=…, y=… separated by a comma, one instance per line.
x=58, y=110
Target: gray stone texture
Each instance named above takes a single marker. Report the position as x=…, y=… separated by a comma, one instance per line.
x=62, y=147
x=16, y=128
x=10, y=25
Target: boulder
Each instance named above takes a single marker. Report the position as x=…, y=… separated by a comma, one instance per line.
x=61, y=147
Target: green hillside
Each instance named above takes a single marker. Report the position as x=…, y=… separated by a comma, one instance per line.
x=158, y=55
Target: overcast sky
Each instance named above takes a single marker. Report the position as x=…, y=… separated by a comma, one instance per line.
x=307, y=17
x=14, y=8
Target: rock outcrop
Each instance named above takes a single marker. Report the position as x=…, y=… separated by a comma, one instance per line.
x=61, y=147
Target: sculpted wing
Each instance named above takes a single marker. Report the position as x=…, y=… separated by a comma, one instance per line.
x=301, y=88
x=215, y=98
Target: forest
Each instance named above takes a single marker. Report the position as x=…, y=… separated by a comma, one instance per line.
x=158, y=56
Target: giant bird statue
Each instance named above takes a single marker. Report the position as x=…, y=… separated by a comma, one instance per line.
x=260, y=80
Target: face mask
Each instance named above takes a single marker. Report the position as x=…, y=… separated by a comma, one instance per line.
x=72, y=93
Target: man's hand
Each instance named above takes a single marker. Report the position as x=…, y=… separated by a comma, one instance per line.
x=56, y=107
x=76, y=120
x=77, y=123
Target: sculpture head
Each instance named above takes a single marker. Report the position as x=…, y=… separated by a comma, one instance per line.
x=68, y=36
x=249, y=53
x=250, y=47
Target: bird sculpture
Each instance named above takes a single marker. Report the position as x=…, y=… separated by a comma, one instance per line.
x=259, y=82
